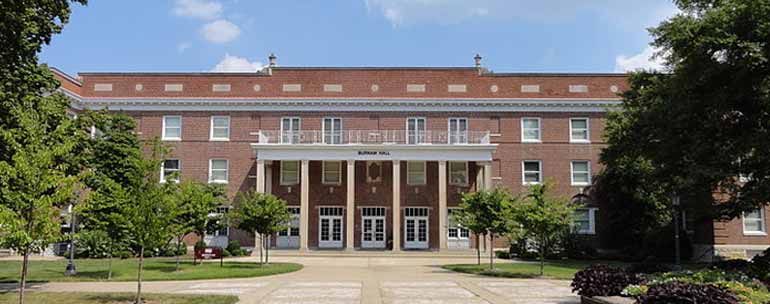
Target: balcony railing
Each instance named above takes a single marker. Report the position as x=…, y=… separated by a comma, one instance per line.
x=374, y=137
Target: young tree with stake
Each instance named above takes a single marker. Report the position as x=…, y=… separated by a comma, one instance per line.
x=261, y=213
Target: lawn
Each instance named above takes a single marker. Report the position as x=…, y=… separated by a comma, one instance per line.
x=113, y=298
x=155, y=269
x=554, y=269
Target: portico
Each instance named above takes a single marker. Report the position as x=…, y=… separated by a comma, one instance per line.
x=388, y=195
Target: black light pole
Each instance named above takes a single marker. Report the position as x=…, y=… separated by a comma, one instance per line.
x=677, y=255
x=71, y=271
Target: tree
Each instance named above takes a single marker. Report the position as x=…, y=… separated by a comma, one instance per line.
x=543, y=217
x=195, y=203
x=485, y=213
x=151, y=210
x=706, y=122
x=35, y=133
x=113, y=159
x=261, y=213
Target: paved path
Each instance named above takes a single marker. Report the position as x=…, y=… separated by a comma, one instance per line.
x=365, y=280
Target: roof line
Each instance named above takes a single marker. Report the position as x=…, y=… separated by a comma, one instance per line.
x=65, y=75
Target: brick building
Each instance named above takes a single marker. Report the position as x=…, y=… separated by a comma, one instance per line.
x=377, y=158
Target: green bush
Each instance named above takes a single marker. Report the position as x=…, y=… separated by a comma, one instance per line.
x=233, y=246
x=501, y=254
x=92, y=245
x=686, y=293
x=745, y=287
x=200, y=245
x=225, y=253
x=760, y=267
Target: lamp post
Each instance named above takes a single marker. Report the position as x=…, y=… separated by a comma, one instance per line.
x=677, y=254
x=70, y=270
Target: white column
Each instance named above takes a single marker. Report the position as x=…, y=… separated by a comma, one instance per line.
x=261, y=176
x=269, y=177
x=396, y=206
x=351, y=205
x=304, y=205
x=442, y=205
x=488, y=186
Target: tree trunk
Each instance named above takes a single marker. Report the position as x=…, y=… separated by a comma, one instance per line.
x=542, y=255
x=491, y=251
x=478, y=250
x=267, y=250
x=139, y=277
x=109, y=265
x=178, y=241
x=23, y=283
x=261, y=245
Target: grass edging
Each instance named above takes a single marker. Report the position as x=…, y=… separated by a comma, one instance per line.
x=41, y=297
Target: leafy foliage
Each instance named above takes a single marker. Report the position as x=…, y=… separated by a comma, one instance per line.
x=485, y=213
x=649, y=268
x=760, y=267
x=739, y=265
x=687, y=293
x=602, y=280
x=260, y=213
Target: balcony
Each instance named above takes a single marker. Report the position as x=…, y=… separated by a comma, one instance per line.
x=374, y=137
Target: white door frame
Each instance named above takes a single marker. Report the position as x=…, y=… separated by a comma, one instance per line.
x=330, y=243
x=459, y=241
x=288, y=240
x=373, y=243
x=416, y=244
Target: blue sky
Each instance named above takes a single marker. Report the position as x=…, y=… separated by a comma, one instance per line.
x=238, y=35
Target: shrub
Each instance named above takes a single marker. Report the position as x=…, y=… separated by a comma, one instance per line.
x=686, y=293
x=233, y=246
x=732, y=265
x=602, y=280
x=500, y=254
x=578, y=246
x=226, y=253
x=648, y=268
x=760, y=267
x=92, y=244
x=200, y=245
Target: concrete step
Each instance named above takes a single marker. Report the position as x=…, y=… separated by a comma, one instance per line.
x=372, y=253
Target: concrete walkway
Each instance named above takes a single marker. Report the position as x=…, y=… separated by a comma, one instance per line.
x=348, y=280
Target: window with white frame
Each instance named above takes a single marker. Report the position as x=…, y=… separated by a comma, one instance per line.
x=584, y=221
x=530, y=129
x=458, y=173
x=581, y=172
x=415, y=128
x=331, y=172
x=578, y=130
x=218, y=171
x=169, y=170
x=289, y=172
x=454, y=230
x=754, y=222
x=531, y=172
x=415, y=173
x=220, y=128
x=332, y=130
x=290, y=130
x=458, y=130
x=172, y=128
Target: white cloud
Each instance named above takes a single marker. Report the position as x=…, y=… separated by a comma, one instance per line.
x=232, y=64
x=183, y=46
x=220, y=31
x=405, y=12
x=639, y=61
x=202, y=9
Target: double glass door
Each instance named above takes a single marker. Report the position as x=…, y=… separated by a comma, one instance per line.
x=416, y=228
x=289, y=238
x=330, y=227
x=373, y=227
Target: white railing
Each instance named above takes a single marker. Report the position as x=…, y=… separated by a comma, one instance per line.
x=374, y=137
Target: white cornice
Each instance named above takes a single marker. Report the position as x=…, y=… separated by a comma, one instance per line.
x=473, y=152
x=353, y=105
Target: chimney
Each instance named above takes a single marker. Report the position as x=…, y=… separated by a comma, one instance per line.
x=477, y=59
x=271, y=59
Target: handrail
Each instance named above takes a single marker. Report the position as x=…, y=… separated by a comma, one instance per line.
x=383, y=137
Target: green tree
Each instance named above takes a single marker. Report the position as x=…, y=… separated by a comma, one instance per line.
x=485, y=213
x=152, y=209
x=195, y=203
x=113, y=159
x=543, y=217
x=705, y=122
x=35, y=134
x=260, y=213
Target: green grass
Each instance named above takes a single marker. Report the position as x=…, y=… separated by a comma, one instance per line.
x=155, y=269
x=554, y=269
x=113, y=298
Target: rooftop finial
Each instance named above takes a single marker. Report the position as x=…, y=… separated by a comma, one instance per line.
x=271, y=59
x=477, y=59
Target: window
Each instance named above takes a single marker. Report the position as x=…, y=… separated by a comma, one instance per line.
x=415, y=173
x=458, y=173
x=532, y=172
x=220, y=128
x=223, y=227
x=218, y=171
x=581, y=173
x=332, y=131
x=454, y=230
x=530, y=129
x=172, y=128
x=290, y=127
x=754, y=222
x=578, y=130
x=289, y=172
x=331, y=172
x=169, y=170
x=584, y=221
x=458, y=130
x=415, y=128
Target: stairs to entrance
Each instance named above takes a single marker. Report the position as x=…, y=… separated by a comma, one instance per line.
x=372, y=253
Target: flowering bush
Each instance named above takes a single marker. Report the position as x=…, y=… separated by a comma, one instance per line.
x=602, y=280
x=687, y=293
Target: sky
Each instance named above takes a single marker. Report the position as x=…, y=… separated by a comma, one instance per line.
x=238, y=35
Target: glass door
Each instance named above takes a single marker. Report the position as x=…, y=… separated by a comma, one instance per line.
x=330, y=227
x=416, y=228
x=373, y=227
x=415, y=129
